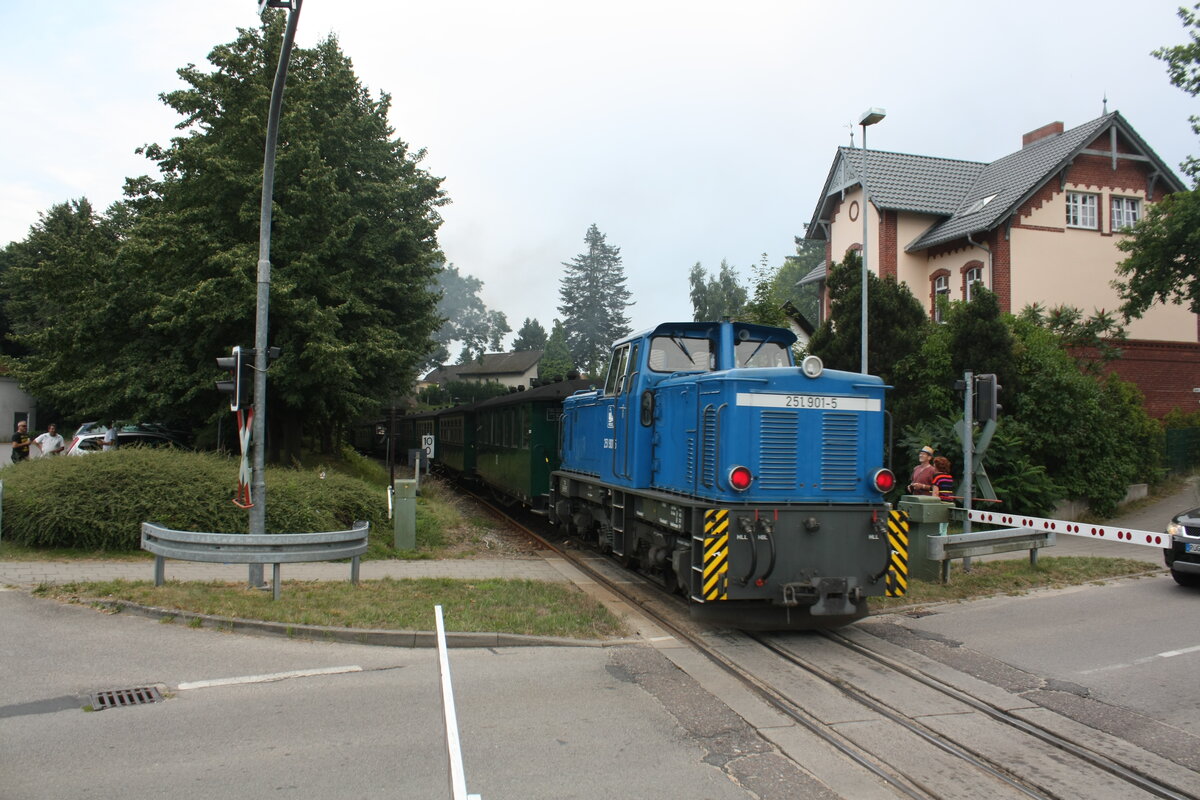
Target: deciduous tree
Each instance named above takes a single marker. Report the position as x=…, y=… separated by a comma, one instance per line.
x=354, y=251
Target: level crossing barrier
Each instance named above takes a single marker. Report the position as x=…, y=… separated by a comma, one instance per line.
x=933, y=549
x=240, y=548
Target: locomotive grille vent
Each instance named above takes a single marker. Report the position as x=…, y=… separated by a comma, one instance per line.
x=708, y=447
x=778, y=439
x=839, y=451
x=116, y=698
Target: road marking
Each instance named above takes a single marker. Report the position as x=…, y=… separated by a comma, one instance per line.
x=1146, y=660
x=275, y=676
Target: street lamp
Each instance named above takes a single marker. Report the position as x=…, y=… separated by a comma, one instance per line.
x=869, y=117
x=258, y=511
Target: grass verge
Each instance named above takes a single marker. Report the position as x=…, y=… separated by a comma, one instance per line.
x=533, y=608
x=1012, y=577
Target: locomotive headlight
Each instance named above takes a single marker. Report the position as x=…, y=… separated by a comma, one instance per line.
x=812, y=366
x=884, y=480
x=740, y=478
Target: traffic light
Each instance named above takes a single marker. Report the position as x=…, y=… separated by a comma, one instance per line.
x=241, y=369
x=987, y=392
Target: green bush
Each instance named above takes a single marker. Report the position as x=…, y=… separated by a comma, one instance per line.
x=98, y=502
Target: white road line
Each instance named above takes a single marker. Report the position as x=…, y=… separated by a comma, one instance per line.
x=275, y=676
x=1146, y=660
x=1184, y=651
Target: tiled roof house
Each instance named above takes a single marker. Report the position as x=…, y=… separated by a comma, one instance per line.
x=1040, y=225
x=509, y=369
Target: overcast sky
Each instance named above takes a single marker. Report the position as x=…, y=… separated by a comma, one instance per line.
x=687, y=131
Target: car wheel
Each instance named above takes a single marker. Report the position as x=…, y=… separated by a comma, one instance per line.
x=1186, y=578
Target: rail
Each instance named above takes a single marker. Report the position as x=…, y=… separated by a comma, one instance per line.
x=238, y=548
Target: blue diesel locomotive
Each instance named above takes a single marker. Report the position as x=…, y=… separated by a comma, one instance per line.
x=749, y=484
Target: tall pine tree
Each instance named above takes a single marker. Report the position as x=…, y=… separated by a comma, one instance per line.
x=593, y=300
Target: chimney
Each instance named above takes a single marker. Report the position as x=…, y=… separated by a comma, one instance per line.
x=1053, y=129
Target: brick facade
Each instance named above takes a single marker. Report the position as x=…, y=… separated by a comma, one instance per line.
x=888, y=232
x=1165, y=372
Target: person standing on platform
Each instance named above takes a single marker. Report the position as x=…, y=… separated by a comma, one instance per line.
x=943, y=481
x=921, y=481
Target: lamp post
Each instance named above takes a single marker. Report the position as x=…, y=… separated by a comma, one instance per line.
x=869, y=117
x=258, y=511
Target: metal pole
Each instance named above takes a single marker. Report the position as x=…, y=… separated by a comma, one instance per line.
x=968, y=443
x=865, y=214
x=258, y=512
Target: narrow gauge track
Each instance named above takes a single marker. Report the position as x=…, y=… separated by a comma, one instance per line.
x=922, y=738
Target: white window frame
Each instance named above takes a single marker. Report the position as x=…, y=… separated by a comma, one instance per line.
x=974, y=275
x=1126, y=211
x=941, y=286
x=1082, y=210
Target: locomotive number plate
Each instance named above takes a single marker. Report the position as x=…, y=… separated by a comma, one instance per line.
x=818, y=402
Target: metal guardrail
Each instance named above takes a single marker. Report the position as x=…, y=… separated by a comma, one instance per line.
x=985, y=543
x=238, y=548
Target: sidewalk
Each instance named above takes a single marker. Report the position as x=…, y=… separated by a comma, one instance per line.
x=31, y=573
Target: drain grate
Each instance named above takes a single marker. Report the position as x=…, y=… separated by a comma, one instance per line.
x=117, y=698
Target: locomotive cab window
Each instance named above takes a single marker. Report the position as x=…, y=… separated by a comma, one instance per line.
x=616, y=371
x=680, y=354
x=763, y=354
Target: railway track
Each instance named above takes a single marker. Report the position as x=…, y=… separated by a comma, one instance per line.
x=888, y=713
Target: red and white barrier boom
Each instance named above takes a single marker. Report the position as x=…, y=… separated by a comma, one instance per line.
x=1159, y=539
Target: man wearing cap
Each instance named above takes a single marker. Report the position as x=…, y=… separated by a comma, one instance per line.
x=922, y=474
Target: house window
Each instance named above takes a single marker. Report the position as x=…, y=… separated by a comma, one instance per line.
x=941, y=288
x=1081, y=210
x=1125, y=212
x=972, y=276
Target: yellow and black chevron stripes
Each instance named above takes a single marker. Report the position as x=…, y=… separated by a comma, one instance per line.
x=716, y=555
x=897, y=576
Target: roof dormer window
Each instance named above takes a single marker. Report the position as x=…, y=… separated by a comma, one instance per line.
x=980, y=203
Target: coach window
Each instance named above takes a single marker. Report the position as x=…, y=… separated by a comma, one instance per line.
x=616, y=371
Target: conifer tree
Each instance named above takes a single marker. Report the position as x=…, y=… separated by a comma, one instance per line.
x=556, y=361
x=593, y=299
x=531, y=336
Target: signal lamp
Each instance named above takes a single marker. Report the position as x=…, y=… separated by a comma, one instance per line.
x=740, y=478
x=884, y=480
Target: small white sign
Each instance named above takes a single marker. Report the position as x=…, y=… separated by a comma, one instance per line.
x=427, y=444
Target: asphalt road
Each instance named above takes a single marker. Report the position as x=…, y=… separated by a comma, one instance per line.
x=546, y=722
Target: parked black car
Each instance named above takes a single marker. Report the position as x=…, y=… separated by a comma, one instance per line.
x=1183, y=557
